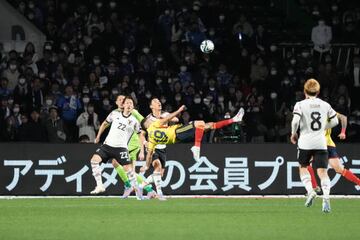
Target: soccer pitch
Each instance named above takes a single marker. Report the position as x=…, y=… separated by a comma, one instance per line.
x=114, y=218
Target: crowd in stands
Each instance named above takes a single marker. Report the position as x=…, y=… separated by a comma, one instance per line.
x=98, y=49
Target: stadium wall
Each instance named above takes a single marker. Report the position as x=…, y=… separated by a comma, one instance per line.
x=224, y=169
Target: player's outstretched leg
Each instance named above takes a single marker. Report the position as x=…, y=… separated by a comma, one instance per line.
x=199, y=133
x=96, y=171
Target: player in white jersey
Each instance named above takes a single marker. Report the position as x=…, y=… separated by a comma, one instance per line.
x=159, y=156
x=313, y=116
x=115, y=146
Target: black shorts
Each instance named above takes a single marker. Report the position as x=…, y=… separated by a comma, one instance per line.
x=185, y=133
x=319, y=158
x=332, y=152
x=161, y=155
x=108, y=153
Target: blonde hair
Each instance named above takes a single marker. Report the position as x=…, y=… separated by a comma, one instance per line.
x=312, y=87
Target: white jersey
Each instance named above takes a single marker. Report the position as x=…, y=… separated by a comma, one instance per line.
x=314, y=114
x=121, y=130
x=152, y=118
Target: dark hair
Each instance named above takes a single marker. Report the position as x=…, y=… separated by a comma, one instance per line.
x=128, y=97
x=153, y=99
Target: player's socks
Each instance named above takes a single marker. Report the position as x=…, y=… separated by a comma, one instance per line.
x=349, y=175
x=312, y=175
x=96, y=171
x=139, y=179
x=132, y=178
x=306, y=180
x=199, y=133
x=149, y=179
x=148, y=188
x=123, y=176
x=325, y=186
x=157, y=181
x=223, y=123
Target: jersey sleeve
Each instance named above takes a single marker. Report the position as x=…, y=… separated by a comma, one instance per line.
x=110, y=117
x=297, y=109
x=331, y=113
x=137, y=115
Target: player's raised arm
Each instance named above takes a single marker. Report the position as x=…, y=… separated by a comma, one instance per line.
x=169, y=117
x=343, y=122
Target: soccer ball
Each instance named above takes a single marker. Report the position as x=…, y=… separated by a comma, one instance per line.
x=207, y=46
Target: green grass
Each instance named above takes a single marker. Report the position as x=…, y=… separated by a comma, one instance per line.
x=112, y=218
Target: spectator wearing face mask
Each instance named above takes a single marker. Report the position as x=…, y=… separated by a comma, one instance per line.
x=22, y=92
x=321, y=36
x=88, y=123
x=259, y=71
x=105, y=109
x=55, y=127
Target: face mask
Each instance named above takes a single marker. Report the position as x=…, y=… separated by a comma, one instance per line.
x=196, y=8
x=22, y=81
x=146, y=50
x=16, y=110
x=48, y=47
x=31, y=6
x=273, y=48
x=178, y=99
x=86, y=100
x=212, y=33
x=321, y=23
x=197, y=100
x=158, y=81
x=273, y=95
x=141, y=82
x=305, y=54
x=96, y=61
x=85, y=91
x=291, y=72
x=112, y=5
x=334, y=8
x=48, y=102
x=187, y=58
x=12, y=67
x=90, y=110
x=99, y=4
x=221, y=18
x=124, y=60
x=42, y=75
x=167, y=12
x=163, y=100
x=206, y=102
x=292, y=61
x=286, y=82
x=10, y=101
x=115, y=92
x=183, y=68
x=160, y=59
x=148, y=95
x=106, y=102
x=273, y=72
x=211, y=88
x=221, y=99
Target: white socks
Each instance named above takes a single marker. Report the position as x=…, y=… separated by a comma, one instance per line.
x=132, y=177
x=157, y=180
x=306, y=180
x=96, y=170
x=325, y=186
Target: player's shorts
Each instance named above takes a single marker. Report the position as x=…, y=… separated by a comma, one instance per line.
x=332, y=152
x=185, y=133
x=134, y=154
x=161, y=155
x=108, y=153
x=319, y=158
